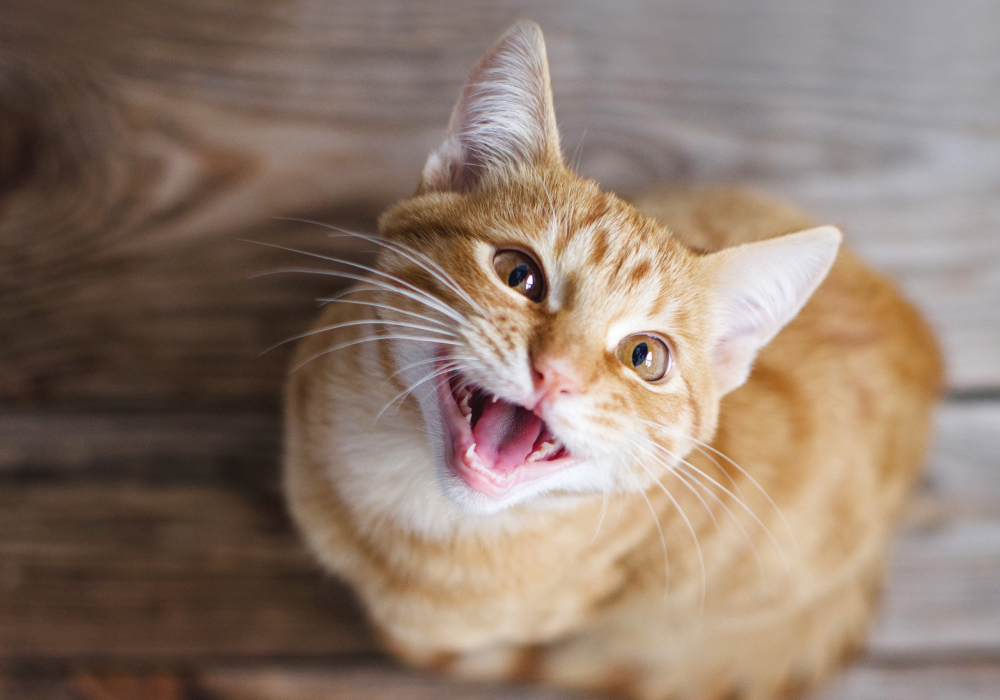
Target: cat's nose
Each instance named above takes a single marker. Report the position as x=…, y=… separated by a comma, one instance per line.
x=553, y=377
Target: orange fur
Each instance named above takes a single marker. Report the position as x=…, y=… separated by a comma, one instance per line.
x=632, y=573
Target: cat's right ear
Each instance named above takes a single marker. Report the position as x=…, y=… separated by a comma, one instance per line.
x=504, y=116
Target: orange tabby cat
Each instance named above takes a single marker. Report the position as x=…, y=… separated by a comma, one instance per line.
x=555, y=437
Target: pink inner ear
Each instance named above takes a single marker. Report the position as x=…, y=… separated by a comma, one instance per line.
x=505, y=434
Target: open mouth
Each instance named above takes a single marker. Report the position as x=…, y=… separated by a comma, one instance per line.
x=497, y=446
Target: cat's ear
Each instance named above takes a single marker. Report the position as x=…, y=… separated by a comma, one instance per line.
x=760, y=287
x=504, y=116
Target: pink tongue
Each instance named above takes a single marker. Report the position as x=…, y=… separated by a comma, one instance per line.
x=505, y=434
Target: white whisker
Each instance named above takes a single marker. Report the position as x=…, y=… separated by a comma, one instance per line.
x=341, y=346
x=438, y=371
x=412, y=365
x=372, y=270
x=736, y=466
x=361, y=322
x=426, y=300
x=406, y=251
x=600, y=519
x=684, y=517
x=659, y=530
x=738, y=501
x=388, y=307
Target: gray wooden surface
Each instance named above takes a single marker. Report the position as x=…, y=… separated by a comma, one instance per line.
x=144, y=550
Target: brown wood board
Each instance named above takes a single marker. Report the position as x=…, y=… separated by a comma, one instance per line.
x=375, y=680
x=161, y=537
x=139, y=140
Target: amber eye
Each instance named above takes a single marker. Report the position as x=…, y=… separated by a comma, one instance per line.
x=518, y=271
x=646, y=355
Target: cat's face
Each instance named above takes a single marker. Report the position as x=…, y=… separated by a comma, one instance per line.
x=579, y=362
x=559, y=342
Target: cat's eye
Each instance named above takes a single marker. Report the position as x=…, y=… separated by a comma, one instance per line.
x=519, y=272
x=645, y=354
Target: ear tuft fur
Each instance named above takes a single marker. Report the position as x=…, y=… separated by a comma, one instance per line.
x=504, y=116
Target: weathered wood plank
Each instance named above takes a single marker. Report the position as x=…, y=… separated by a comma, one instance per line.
x=968, y=682
x=146, y=573
x=378, y=680
x=161, y=535
x=134, y=151
x=931, y=682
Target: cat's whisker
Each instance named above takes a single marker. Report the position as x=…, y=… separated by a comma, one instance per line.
x=412, y=366
x=347, y=291
x=360, y=322
x=680, y=471
x=428, y=265
x=669, y=468
x=438, y=372
x=600, y=518
x=736, y=466
x=389, y=307
x=406, y=251
x=370, y=270
x=349, y=263
x=659, y=530
x=697, y=446
x=676, y=470
x=424, y=299
x=367, y=339
x=338, y=298
x=738, y=501
x=687, y=522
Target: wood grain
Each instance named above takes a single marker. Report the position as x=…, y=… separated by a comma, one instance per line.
x=160, y=537
x=379, y=680
x=140, y=139
x=968, y=682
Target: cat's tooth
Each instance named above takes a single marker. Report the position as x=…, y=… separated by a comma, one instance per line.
x=469, y=452
x=543, y=451
x=495, y=397
x=463, y=406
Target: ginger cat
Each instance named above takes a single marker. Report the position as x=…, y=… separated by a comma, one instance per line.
x=652, y=450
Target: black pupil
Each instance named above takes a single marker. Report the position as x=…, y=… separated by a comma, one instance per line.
x=639, y=354
x=518, y=275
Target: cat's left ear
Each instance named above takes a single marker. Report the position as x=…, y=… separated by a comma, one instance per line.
x=760, y=287
x=504, y=116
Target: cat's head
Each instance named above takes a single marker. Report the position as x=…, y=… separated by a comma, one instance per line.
x=560, y=342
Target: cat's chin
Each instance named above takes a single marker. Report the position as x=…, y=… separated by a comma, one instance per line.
x=498, y=450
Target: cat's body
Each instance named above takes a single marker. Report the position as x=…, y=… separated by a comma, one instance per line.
x=759, y=571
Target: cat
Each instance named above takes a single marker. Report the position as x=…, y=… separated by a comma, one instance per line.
x=651, y=450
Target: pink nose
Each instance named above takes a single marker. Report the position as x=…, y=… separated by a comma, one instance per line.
x=553, y=376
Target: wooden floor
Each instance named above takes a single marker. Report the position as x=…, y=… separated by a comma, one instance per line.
x=145, y=554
